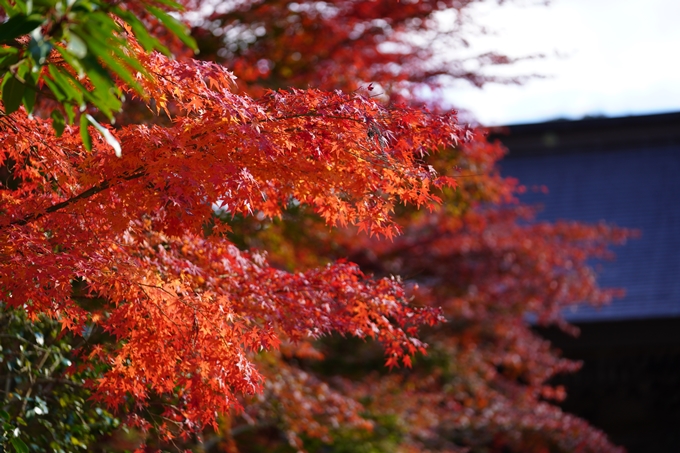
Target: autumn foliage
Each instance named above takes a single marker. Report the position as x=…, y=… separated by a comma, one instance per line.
x=244, y=219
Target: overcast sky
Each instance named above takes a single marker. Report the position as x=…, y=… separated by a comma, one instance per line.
x=620, y=57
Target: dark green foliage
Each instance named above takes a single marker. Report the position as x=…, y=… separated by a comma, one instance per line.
x=93, y=46
x=43, y=400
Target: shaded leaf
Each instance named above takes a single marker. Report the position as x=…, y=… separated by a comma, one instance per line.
x=70, y=91
x=19, y=25
x=8, y=56
x=19, y=445
x=12, y=93
x=57, y=122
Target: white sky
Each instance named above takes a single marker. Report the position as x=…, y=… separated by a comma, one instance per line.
x=620, y=57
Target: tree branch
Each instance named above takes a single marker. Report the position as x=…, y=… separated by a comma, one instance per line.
x=102, y=186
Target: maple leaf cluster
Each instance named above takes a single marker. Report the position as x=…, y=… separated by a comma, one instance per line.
x=482, y=259
x=187, y=311
x=190, y=245
x=403, y=49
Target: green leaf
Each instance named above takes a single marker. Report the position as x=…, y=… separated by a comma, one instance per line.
x=28, y=99
x=110, y=51
x=84, y=133
x=71, y=60
x=19, y=445
x=172, y=4
x=81, y=89
x=147, y=41
x=11, y=9
x=108, y=136
x=4, y=415
x=54, y=88
x=115, y=65
x=70, y=114
x=8, y=56
x=175, y=26
x=85, y=6
x=105, y=94
x=12, y=93
x=30, y=83
x=72, y=92
x=58, y=122
x=19, y=25
x=99, y=76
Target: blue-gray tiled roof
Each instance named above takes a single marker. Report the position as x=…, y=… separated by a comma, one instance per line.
x=634, y=184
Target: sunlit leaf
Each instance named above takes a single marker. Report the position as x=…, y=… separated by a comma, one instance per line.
x=141, y=33
x=85, y=133
x=110, y=139
x=180, y=30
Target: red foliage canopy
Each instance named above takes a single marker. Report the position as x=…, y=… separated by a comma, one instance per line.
x=132, y=245
x=185, y=308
